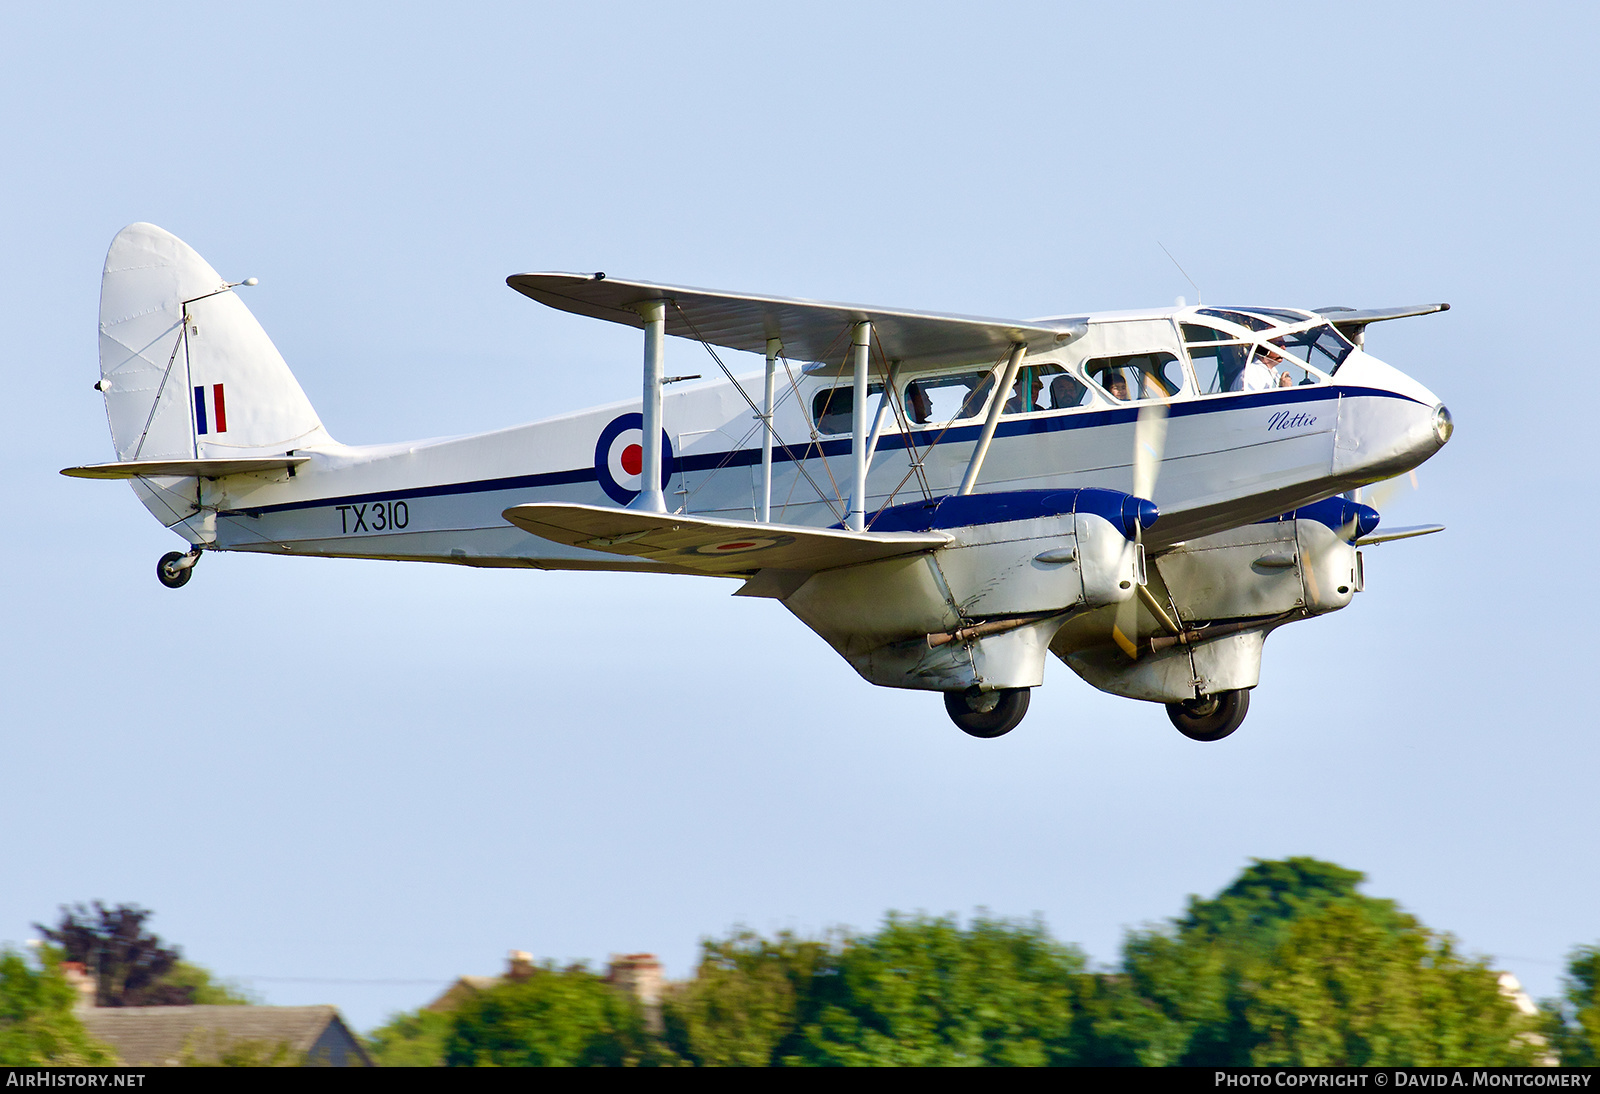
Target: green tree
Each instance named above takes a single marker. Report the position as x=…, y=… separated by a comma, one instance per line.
x=926, y=991
x=1171, y=996
x=1291, y=964
x=1184, y=988
x=1572, y=1024
x=37, y=1024
x=204, y=987
x=411, y=1039
x=740, y=1005
x=1343, y=990
x=554, y=1018
x=752, y=998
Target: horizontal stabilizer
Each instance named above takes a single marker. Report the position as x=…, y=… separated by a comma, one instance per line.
x=1399, y=533
x=714, y=546
x=191, y=469
x=808, y=329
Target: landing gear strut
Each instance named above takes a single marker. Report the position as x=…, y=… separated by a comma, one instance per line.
x=986, y=713
x=175, y=568
x=1212, y=717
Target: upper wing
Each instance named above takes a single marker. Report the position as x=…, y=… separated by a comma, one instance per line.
x=202, y=469
x=1352, y=322
x=713, y=546
x=807, y=328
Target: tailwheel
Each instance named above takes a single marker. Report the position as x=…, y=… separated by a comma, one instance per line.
x=987, y=713
x=1211, y=717
x=175, y=568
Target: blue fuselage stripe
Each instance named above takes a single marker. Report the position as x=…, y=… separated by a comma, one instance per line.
x=711, y=461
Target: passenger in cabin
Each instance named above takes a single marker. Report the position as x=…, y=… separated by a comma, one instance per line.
x=919, y=407
x=1066, y=392
x=978, y=388
x=1117, y=385
x=1025, y=395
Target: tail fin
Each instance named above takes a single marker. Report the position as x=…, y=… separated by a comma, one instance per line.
x=186, y=370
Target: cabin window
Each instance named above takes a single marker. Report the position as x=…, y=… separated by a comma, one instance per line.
x=1281, y=315
x=1218, y=367
x=833, y=408
x=935, y=400
x=1244, y=366
x=1045, y=387
x=1322, y=348
x=1271, y=366
x=1137, y=376
x=1248, y=322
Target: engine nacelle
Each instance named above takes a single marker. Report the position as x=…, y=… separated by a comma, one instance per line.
x=1227, y=592
x=980, y=612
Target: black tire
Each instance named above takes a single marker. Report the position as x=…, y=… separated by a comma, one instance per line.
x=173, y=579
x=1005, y=709
x=1212, y=717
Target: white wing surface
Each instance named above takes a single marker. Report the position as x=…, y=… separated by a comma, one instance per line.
x=809, y=329
x=714, y=546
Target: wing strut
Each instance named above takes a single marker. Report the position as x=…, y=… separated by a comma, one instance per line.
x=856, y=519
x=774, y=347
x=651, y=499
x=1019, y=350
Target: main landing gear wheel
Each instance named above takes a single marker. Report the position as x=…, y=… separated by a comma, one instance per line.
x=1210, y=718
x=173, y=575
x=987, y=713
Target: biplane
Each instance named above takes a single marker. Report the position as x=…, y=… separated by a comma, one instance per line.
x=946, y=500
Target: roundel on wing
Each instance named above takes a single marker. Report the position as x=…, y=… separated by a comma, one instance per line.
x=739, y=546
x=619, y=457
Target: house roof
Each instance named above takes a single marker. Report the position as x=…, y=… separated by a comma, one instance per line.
x=162, y=1036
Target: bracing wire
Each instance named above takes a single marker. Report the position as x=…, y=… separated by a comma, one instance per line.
x=931, y=446
x=788, y=452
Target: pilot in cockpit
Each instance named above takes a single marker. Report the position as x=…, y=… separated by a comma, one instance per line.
x=1265, y=372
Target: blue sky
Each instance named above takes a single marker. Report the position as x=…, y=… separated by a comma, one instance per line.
x=322, y=775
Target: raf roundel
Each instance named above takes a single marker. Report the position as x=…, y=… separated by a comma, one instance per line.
x=619, y=458
x=739, y=546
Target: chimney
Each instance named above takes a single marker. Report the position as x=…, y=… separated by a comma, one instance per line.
x=519, y=966
x=639, y=974
x=75, y=974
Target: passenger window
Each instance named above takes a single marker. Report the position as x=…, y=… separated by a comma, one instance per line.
x=935, y=400
x=1045, y=387
x=1137, y=376
x=833, y=408
x=1067, y=391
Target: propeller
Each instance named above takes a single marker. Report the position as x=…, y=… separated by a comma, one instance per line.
x=1378, y=495
x=1149, y=442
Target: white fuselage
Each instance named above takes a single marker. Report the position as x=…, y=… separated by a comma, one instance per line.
x=1230, y=459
